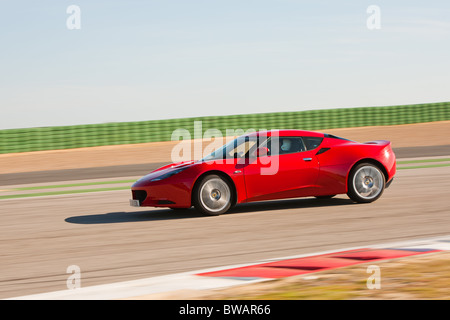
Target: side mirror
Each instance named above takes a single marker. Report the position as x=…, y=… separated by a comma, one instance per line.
x=262, y=151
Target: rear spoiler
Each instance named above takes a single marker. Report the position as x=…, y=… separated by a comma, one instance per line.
x=381, y=143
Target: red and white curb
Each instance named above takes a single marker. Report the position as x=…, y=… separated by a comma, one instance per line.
x=223, y=277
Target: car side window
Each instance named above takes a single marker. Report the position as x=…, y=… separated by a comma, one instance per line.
x=285, y=145
x=312, y=142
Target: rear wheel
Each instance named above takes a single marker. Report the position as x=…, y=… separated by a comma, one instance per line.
x=366, y=183
x=212, y=196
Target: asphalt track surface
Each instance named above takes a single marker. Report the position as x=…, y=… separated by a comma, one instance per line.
x=111, y=242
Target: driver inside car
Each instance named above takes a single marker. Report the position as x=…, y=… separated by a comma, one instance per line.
x=285, y=146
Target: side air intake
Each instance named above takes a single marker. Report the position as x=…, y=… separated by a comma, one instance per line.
x=322, y=150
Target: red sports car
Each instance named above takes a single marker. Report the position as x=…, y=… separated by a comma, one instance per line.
x=269, y=165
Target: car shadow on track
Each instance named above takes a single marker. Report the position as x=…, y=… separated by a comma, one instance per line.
x=122, y=216
x=168, y=214
x=289, y=204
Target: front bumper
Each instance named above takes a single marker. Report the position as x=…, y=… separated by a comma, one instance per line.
x=176, y=195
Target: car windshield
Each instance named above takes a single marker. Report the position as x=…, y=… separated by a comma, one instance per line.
x=236, y=148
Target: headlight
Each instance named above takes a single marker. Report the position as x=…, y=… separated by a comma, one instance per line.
x=168, y=174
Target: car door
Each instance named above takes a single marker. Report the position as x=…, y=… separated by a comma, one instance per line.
x=285, y=172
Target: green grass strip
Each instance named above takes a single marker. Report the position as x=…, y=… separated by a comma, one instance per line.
x=56, y=193
x=423, y=161
x=118, y=133
x=426, y=166
x=72, y=185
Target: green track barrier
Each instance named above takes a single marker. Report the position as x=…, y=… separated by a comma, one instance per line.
x=78, y=136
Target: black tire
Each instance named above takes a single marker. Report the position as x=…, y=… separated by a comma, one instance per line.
x=325, y=197
x=213, y=195
x=366, y=183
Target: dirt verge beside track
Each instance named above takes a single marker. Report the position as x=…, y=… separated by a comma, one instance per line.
x=413, y=135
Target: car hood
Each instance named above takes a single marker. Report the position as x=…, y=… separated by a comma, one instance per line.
x=163, y=170
x=173, y=166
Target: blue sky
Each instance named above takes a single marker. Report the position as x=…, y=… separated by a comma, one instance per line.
x=160, y=59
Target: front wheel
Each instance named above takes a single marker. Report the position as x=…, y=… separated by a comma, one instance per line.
x=212, y=196
x=366, y=183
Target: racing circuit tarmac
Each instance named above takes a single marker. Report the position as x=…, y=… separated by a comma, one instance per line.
x=111, y=242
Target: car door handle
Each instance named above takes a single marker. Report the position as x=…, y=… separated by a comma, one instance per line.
x=307, y=159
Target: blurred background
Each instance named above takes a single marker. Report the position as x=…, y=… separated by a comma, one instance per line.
x=91, y=92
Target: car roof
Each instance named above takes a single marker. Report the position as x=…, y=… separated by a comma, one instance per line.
x=288, y=133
